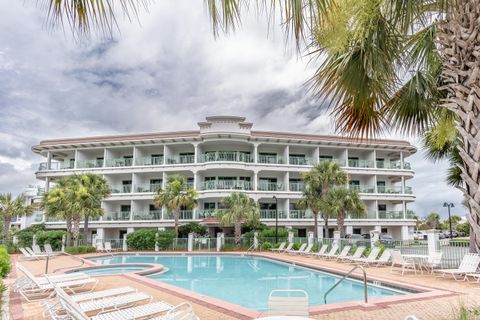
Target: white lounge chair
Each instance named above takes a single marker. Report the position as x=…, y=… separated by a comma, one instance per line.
x=280, y=248
x=38, y=255
x=344, y=252
x=469, y=265
x=288, y=248
x=139, y=312
x=384, y=258
x=182, y=311
x=113, y=303
x=288, y=303
x=372, y=256
x=322, y=251
x=402, y=261
x=36, y=249
x=306, y=251
x=27, y=255
x=433, y=261
x=99, y=247
x=292, y=251
x=36, y=288
x=357, y=254
x=331, y=254
x=474, y=276
x=49, y=250
x=108, y=247
x=102, y=294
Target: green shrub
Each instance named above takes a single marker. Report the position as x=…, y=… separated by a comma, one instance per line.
x=463, y=227
x=53, y=237
x=5, y=265
x=229, y=247
x=266, y=246
x=80, y=249
x=143, y=239
x=192, y=227
x=165, y=239
x=25, y=236
x=296, y=246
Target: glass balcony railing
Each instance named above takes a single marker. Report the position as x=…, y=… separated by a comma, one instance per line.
x=149, y=161
x=271, y=214
x=226, y=185
x=117, y=216
x=410, y=214
x=300, y=214
x=53, y=219
x=368, y=215
x=180, y=159
x=389, y=189
x=147, y=215
x=393, y=215
x=270, y=159
x=300, y=161
x=362, y=188
x=270, y=186
x=234, y=156
x=56, y=166
x=297, y=186
x=126, y=188
x=385, y=164
x=152, y=187
x=361, y=163
x=340, y=162
x=408, y=190
x=407, y=166
x=38, y=218
x=89, y=163
x=183, y=215
x=119, y=162
x=205, y=213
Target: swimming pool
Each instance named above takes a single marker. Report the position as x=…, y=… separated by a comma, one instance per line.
x=98, y=271
x=247, y=281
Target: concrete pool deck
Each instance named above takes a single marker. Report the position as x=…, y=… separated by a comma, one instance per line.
x=442, y=298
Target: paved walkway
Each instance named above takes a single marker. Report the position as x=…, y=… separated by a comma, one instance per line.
x=435, y=308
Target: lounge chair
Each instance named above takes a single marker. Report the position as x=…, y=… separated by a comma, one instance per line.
x=74, y=310
x=469, y=265
x=38, y=255
x=49, y=250
x=371, y=258
x=36, y=249
x=474, y=276
x=288, y=303
x=27, y=255
x=357, y=254
x=99, y=247
x=322, y=250
x=404, y=262
x=344, y=252
x=292, y=251
x=102, y=294
x=307, y=250
x=36, y=288
x=331, y=254
x=108, y=247
x=288, y=248
x=384, y=258
x=182, y=311
x=280, y=248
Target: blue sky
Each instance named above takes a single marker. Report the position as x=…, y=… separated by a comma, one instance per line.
x=163, y=72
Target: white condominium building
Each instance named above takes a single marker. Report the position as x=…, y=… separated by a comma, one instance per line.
x=226, y=155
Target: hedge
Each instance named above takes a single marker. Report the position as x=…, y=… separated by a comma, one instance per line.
x=80, y=249
x=165, y=239
x=5, y=265
x=144, y=240
x=53, y=237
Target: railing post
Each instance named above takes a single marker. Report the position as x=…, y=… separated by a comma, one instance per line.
x=310, y=238
x=15, y=240
x=190, y=242
x=290, y=236
x=64, y=239
x=124, y=243
x=34, y=240
x=433, y=241
x=255, y=240
x=219, y=241
x=156, y=241
x=336, y=238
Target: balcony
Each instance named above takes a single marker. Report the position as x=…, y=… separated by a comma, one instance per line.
x=38, y=218
x=147, y=215
x=270, y=186
x=389, y=189
x=385, y=164
x=149, y=161
x=226, y=185
x=152, y=187
x=271, y=214
x=391, y=215
x=233, y=156
x=362, y=188
x=206, y=213
x=183, y=159
x=296, y=186
x=53, y=219
x=183, y=215
x=300, y=214
x=119, y=162
x=360, y=163
x=90, y=163
x=408, y=190
x=55, y=166
x=270, y=159
x=300, y=161
x=126, y=188
x=340, y=162
x=117, y=216
x=411, y=214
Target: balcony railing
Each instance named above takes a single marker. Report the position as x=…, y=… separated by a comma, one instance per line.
x=149, y=161
x=117, y=216
x=152, y=187
x=300, y=161
x=270, y=186
x=300, y=214
x=119, y=162
x=270, y=159
x=407, y=166
x=271, y=214
x=226, y=185
x=389, y=189
x=410, y=214
x=362, y=188
x=38, y=218
x=147, y=215
x=385, y=164
x=206, y=213
x=393, y=215
x=297, y=186
x=340, y=162
x=408, y=190
x=89, y=163
x=125, y=188
x=55, y=166
x=235, y=156
x=183, y=215
x=53, y=219
x=361, y=163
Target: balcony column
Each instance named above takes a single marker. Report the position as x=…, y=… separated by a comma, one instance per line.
x=255, y=180
x=404, y=209
x=348, y=229
x=286, y=181
x=76, y=160
x=346, y=159
x=375, y=187
x=255, y=153
x=135, y=156
x=374, y=158
x=164, y=180
x=195, y=179
x=403, y=185
x=195, y=148
x=47, y=184
x=286, y=154
x=49, y=160
x=401, y=160
x=316, y=156
x=405, y=233
x=376, y=209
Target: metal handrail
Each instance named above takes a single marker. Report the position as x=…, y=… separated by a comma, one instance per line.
x=344, y=277
x=73, y=257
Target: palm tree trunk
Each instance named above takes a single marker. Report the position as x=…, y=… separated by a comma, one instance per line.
x=315, y=225
x=76, y=230
x=68, y=223
x=85, y=229
x=341, y=223
x=459, y=41
x=325, y=219
x=238, y=232
x=176, y=216
x=6, y=228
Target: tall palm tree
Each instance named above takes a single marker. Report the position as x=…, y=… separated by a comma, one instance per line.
x=318, y=182
x=340, y=202
x=177, y=195
x=238, y=209
x=11, y=207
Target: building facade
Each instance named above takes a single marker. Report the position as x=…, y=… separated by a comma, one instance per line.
x=226, y=155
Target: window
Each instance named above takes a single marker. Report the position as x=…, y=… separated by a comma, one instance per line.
x=125, y=208
x=380, y=163
x=357, y=231
x=381, y=186
x=353, y=161
x=382, y=207
x=127, y=186
x=209, y=205
x=128, y=160
x=157, y=159
x=384, y=230
x=268, y=206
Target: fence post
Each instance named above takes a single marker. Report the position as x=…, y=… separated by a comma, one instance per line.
x=15, y=240
x=310, y=237
x=374, y=237
x=190, y=242
x=156, y=241
x=124, y=243
x=64, y=239
x=433, y=241
x=255, y=240
x=336, y=237
x=290, y=236
x=94, y=240
x=34, y=240
x=219, y=241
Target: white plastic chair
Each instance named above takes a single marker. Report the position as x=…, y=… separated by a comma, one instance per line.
x=288, y=303
x=399, y=260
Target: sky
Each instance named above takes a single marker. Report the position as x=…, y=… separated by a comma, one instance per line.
x=164, y=71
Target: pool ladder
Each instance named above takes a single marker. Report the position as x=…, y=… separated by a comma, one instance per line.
x=346, y=276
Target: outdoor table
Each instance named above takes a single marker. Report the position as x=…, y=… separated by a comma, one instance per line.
x=417, y=259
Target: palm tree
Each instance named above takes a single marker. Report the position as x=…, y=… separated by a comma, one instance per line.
x=238, y=209
x=11, y=207
x=318, y=182
x=177, y=195
x=340, y=202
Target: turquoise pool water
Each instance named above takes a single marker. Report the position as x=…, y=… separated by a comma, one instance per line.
x=247, y=281
x=110, y=270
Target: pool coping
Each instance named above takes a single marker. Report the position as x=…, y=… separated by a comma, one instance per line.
x=423, y=292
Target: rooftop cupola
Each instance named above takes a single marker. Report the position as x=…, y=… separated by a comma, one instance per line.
x=225, y=124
